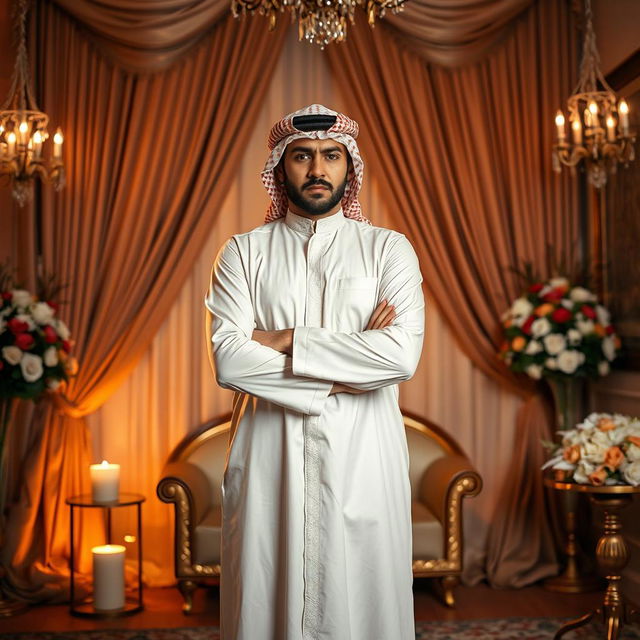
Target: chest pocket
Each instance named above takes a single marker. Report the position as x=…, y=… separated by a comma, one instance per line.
x=354, y=302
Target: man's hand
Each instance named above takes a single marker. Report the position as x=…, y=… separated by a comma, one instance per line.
x=279, y=340
x=383, y=315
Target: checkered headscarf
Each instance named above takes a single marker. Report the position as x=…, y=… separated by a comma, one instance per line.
x=344, y=130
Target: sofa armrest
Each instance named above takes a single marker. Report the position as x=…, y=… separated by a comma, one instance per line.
x=185, y=479
x=444, y=478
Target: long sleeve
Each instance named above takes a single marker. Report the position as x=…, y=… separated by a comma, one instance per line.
x=377, y=358
x=242, y=364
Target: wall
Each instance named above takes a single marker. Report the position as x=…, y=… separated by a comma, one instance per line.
x=617, y=27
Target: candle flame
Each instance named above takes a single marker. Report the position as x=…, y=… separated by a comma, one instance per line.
x=575, y=125
x=560, y=119
x=58, y=138
x=37, y=137
x=593, y=107
x=623, y=107
x=11, y=137
x=611, y=122
x=104, y=463
x=23, y=127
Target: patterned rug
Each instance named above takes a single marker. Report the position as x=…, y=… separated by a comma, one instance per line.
x=503, y=629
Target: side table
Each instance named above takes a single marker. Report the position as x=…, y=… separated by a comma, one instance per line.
x=85, y=501
x=611, y=555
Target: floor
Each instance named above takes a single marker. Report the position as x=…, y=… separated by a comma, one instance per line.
x=163, y=609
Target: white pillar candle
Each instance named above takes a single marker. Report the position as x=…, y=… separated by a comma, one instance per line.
x=611, y=129
x=108, y=577
x=560, y=126
x=105, y=481
x=576, y=129
x=623, y=110
x=11, y=144
x=57, y=144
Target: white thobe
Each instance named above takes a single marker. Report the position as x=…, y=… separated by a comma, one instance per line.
x=316, y=533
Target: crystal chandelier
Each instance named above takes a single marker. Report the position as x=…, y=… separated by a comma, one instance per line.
x=23, y=129
x=598, y=122
x=319, y=21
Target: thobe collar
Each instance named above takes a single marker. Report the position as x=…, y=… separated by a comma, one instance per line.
x=309, y=227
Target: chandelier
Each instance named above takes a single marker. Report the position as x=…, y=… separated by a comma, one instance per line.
x=23, y=129
x=319, y=21
x=598, y=122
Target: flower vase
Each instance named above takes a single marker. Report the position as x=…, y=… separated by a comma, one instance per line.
x=569, y=409
x=8, y=606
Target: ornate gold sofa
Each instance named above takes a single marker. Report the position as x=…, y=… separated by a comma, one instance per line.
x=441, y=476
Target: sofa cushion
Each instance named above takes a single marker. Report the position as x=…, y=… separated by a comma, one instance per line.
x=427, y=533
x=207, y=537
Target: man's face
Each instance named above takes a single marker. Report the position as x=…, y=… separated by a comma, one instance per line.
x=315, y=175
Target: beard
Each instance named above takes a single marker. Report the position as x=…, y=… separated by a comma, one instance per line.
x=311, y=205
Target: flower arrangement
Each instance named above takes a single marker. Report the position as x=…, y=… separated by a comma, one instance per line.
x=34, y=346
x=602, y=450
x=558, y=330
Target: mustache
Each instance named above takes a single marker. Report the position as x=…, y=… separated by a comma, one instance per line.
x=317, y=181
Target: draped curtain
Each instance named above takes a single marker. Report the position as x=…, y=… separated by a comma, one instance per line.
x=132, y=222
x=464, y=155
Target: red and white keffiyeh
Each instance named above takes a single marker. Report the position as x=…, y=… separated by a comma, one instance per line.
x=344, y=130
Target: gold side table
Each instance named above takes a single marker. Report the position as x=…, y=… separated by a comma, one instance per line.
x=612, y=556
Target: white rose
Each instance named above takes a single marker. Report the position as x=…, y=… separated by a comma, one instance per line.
x=53, y=383
x=608, y=348
x=28, y=320
x=554, y=343
x=633, y=453
x=603, y=368
x=567, y=304
x=551, y=363
x=42, y=313
x=631, y=473
x=580, y=294
x=31, y=366
x=533, y=347
x=594, y=452
x=21, y=298
x=558, y=282
x=569, y=361
x=521, y=310
x=604, y=318
x=62, y=329
x=583, y=471
x=574, y=337
x=51, y=357
x=12, y=354
x=540, y=327
x=584, y=325
x=534, y=371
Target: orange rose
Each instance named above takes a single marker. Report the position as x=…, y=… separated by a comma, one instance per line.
x=606, y=424
x=634, y=440
x=613, y=457
x=544, y=309
x=598, y=477
x=600, y=330
x=572, y=454
x=518, y=343
x=617, y=342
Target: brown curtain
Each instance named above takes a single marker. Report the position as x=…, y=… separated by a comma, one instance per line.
x=464, y=156
x=453, y=33
x=148, y=158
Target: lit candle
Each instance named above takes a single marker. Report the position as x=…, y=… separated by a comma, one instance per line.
x=593, y=109
x=587, y=119
x=611, y=129
x=105, y=481
x=576, y=129
x=560, y=126
x=623, y=110
x=108, y=577
x=37, y=144
x=57, y=145
x=24, y=132
x=11, y=143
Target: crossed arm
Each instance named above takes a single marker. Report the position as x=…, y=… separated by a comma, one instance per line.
x=298, y=368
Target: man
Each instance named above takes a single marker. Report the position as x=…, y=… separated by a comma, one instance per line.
x=315, y=317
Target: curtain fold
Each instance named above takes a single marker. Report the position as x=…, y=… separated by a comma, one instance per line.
x=464, y=155
x=125, y=232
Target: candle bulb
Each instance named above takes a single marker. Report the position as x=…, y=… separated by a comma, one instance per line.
x=58, y=139
x=37, y=144
x=108, y=577
x=593, y=110
x=560, y=126
x=11, y=144
x=24, y=132
x=587, y=120
x=611, y=129
x=623, y=110
x=105, y=481
x=576, y=130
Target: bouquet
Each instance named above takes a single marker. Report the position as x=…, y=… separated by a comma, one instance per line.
x=602, y=450
x=34, y=346
x=558, y=330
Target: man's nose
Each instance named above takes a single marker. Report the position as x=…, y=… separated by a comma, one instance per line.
x=316, y=168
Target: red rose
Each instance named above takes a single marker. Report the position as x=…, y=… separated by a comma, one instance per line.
x=561, y=315
x=50, y=335
x=7, y=295
x=609, y=330
x=17, y=326
x=534, y=288
x=54, y=305
x=555, y=295
x=526, y=327
x=66, y=346
x=24, y=341
x=588, y=311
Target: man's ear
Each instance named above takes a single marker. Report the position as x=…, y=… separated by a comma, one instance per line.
x=278, y=172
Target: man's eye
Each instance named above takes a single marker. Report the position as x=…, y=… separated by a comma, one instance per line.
x=332, y=156
x=301, y=156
